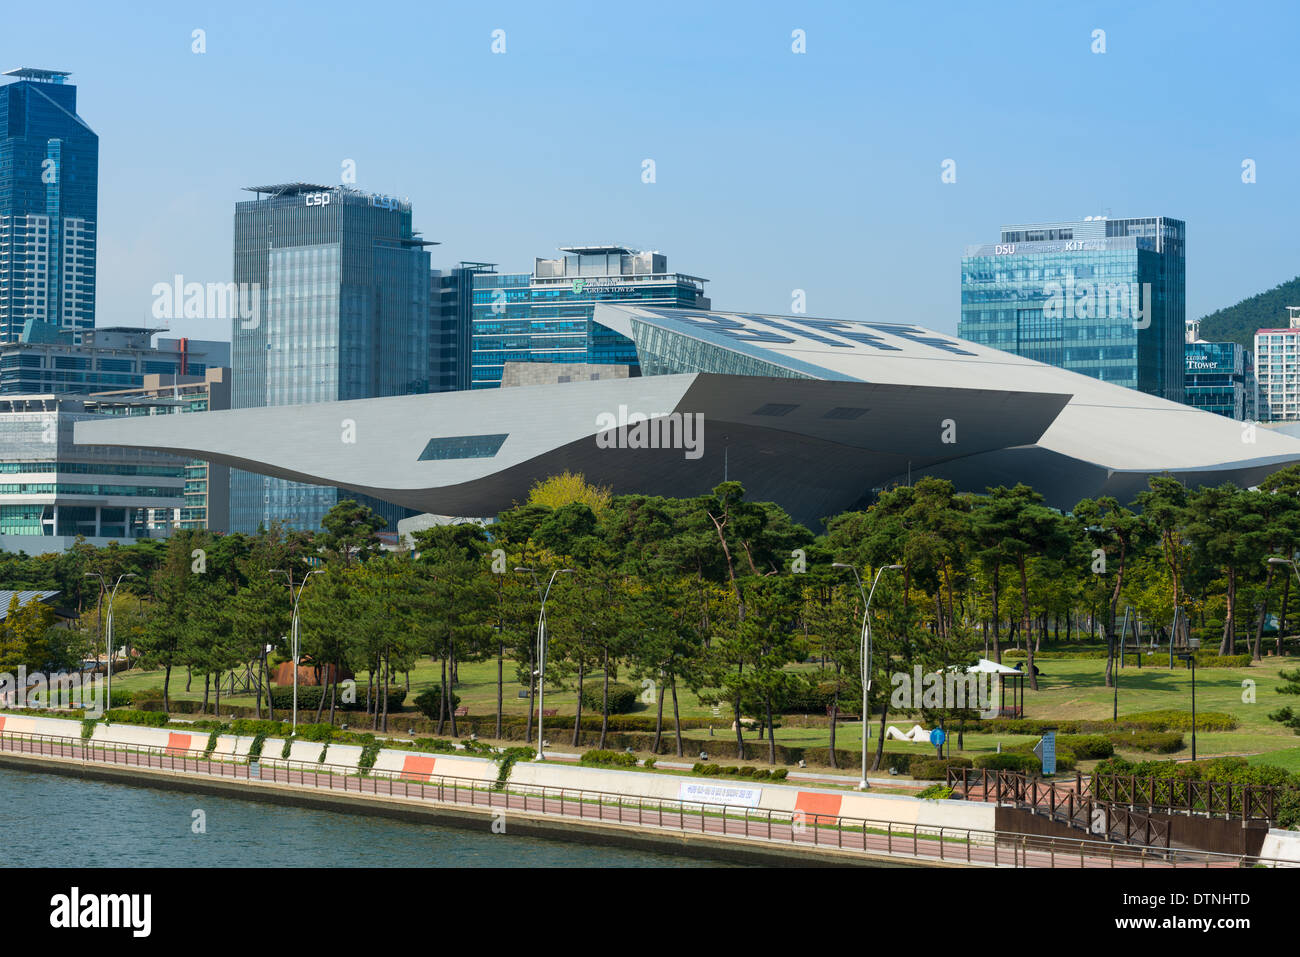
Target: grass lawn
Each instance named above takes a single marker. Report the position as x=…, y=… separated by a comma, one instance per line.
x=1067, y=689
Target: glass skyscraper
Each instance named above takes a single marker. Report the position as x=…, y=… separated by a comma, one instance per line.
x=1102, y=297
x=49, y=188
x=339, y=288
x=546, y=315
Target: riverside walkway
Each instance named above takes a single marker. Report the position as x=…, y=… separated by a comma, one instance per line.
x=818, y=838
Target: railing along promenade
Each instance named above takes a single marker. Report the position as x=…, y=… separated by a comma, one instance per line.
x=908, y=843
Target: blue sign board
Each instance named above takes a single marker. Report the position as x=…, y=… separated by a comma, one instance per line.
x=937, y=737
x=1046, y=751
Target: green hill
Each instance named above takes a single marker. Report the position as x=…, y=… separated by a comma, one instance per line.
x=1264, y=311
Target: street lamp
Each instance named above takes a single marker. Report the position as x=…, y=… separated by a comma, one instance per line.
x=294, y=599
x=866, y=652
x=1277, y=560
x=1190, y=658
x=541, y=648
x=108, y=623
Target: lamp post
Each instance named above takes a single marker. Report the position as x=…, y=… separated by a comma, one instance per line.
x=866, y=651
x=541, y=648
x=294, y=599
x=1277, y=560
x=1190, y=658
x=108, y=624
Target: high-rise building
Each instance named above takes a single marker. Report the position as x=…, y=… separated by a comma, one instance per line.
x=106, y=358
x=1102, y=297
x=49, y=183
x=339, y=288
x=207, y=486
x=546, y=315
x=1277, y=370
x=1220, y=376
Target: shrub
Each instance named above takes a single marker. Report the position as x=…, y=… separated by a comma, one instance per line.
x=317, y=732
x=369, y=752
x=143, y=698
x=779, y=774
x=88, y=728
x=936, y=792
x=1161, y=742
x=622, y=697
x=1208, y=659
x=1170, y=720
x=936, y=769
x=507, y=760
x=212, y=740
x=324, y=748
x=284, y=750
x=149, y=719
x=429, y=702
x=1008, y=761
x=254, y=726
x=1086, y=746
x=255, y=749
x=648, y=763
x=309, y=696
x=598, y=758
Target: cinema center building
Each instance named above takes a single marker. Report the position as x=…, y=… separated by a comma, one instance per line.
x=815, y=414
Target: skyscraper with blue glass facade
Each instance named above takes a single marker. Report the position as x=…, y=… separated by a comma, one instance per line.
x=1102, y=297
x=49, y=193
x=546, y=315
x=341, y=292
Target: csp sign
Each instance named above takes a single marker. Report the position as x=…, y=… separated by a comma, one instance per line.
x=318, y=199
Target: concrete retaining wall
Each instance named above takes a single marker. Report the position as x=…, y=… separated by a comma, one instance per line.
x=764, y=795
x=1281, y=845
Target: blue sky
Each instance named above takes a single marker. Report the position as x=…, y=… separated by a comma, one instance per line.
x=774, y=171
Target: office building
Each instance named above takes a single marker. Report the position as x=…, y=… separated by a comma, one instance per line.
x=49, y=182
x=1277, y=370
x=52, y=490
x=1102, y=297
x=548, y=315
x=106, y=359
x=339, y=291
x=1220, y=376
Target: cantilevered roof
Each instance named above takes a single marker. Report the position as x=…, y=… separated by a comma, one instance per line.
x=31, y=73
x=1107, y=425
x=289, y=189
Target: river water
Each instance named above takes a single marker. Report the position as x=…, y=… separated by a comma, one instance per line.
x=71, y=822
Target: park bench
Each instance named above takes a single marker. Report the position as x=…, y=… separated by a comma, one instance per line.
x=462, y=711
x=842, y=716
x=550, y=712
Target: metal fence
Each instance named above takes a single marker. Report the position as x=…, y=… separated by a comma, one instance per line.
x=910, y=842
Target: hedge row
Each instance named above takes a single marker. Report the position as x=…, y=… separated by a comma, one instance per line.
x=607, y=758
x=622, y=697
x=1160, y=742
x=925, y=768
x=309, y=697
x=1168, y=720
x=741, y=771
